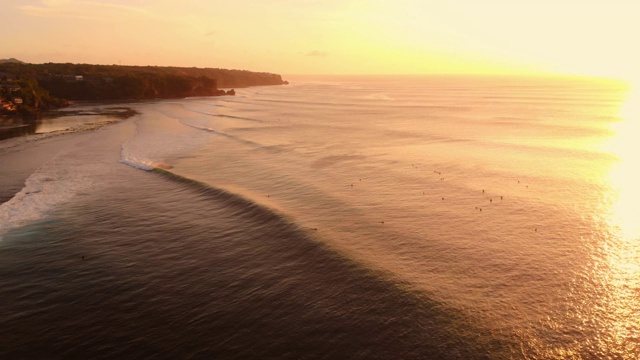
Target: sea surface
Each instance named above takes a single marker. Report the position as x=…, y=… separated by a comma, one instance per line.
x=346, y=218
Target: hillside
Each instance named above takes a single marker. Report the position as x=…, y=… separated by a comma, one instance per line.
x=60, y=82
x=225, y=78
x=11, y=60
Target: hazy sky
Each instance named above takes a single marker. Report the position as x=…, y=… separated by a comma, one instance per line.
x=590, y=37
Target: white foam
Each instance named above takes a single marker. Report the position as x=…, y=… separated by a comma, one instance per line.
x=157, y=138
x=82, y=166
x=162, y=134
x=52, y=184
x=138, y=164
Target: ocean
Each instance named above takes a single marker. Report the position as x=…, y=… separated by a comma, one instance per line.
x=437, y=217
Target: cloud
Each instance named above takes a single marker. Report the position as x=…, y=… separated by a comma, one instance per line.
x=65, y=9
x=128, y=8
x=317, y=53
x=77, y=9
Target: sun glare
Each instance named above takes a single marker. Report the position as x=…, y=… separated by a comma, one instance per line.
x=620, y=249
x=625, y=175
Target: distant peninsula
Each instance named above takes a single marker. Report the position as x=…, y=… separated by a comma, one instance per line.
x=30, y=88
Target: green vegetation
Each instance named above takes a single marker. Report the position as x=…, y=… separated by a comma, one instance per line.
x=28, y=88
x=24, y=96
x=129, y=86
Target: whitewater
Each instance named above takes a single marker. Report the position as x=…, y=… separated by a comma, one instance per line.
x=380, y=217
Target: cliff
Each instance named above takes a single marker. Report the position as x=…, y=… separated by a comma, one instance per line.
x=113, y=82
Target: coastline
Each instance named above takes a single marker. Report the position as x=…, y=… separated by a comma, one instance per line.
x=21, y=155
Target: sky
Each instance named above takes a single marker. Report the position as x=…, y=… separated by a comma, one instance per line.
x=587, y=37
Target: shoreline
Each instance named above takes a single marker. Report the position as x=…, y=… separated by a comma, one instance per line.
x=15, y=127
x=22, y=155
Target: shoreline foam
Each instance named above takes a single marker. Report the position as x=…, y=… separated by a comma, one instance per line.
x=21, y=156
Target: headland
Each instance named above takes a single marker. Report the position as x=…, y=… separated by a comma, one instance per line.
x=28, y=89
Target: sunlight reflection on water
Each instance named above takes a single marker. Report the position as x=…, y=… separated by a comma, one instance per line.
x=625, y=177
x=621, y=272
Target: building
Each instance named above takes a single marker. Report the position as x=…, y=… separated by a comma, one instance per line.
x=7, y=106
